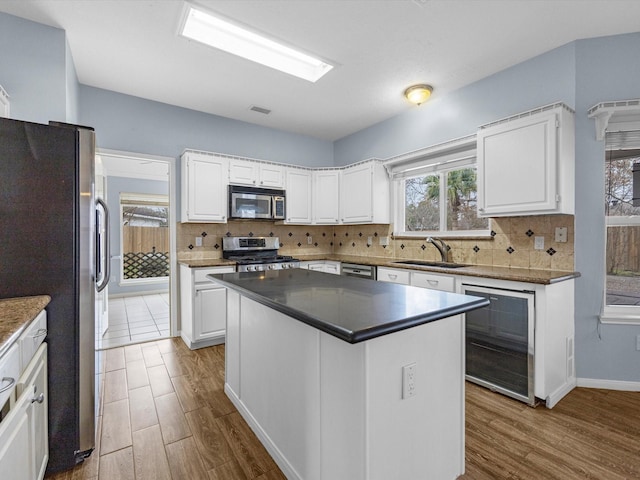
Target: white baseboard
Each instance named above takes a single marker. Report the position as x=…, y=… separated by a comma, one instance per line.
x=559, y=394
x=609, y=384
x=138, y=293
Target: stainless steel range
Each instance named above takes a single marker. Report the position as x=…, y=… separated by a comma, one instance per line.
x=256, y=254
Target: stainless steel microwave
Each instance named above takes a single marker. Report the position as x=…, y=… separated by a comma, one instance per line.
x=256, y=203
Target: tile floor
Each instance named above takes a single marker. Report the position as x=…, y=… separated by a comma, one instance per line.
x=136, y=319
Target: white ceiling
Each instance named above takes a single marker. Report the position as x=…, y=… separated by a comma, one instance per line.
x=379, y=47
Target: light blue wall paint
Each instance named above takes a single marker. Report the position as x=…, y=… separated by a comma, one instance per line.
x=116, y=186
x=73, y=87
x=132, y=124
x=606, y=69
x=33, y=69
x=546, y=79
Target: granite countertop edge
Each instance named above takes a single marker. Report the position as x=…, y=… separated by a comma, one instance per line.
x=15, y=315
x=347, y=335
x=527, y=275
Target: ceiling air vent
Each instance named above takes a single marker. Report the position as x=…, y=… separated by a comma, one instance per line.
x=255, y=108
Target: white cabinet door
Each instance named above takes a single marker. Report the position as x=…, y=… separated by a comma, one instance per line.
x=298, y=196
x=203, y=306
x=271, y=176
x=15, y=448
x=364, y=194
x=33, y=384
x=356, y=194
x=257, y=174
x=204, y=188
x=525, y=166
x=326, y=197
x=210, y=313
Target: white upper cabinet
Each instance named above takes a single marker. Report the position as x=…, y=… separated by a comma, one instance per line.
x=364, y=194
x=257, y=174
x=326, y=197
x=204, y=187
x=298, y=195
x=526, y=164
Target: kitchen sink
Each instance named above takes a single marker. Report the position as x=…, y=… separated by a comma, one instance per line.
x=421, y=263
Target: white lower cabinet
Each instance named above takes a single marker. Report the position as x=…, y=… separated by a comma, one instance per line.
x=24, y=444
x=430, y=280
x=203, y=306
x=434, y=281
x=393, y=275
x=326, y=266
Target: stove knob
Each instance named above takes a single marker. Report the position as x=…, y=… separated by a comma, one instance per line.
x=286, y=265
x=251, y=268
x=259, y=268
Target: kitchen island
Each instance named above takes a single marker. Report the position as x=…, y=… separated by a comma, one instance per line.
x=345, y=378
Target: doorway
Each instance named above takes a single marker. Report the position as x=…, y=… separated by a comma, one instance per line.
x=139, y=302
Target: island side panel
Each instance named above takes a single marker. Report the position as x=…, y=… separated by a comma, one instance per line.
x=280, y=368
x=421, y=436
x=343, y=407
x=232, y=345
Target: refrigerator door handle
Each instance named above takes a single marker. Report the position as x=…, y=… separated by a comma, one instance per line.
x=106, y=254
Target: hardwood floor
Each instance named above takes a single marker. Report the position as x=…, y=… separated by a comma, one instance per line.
x=589, y=434
x=165, y=416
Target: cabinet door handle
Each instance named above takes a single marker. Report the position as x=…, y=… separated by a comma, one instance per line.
x=12, y=382
x=38, y=399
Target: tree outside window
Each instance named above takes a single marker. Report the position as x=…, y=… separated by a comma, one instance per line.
x=454, y=190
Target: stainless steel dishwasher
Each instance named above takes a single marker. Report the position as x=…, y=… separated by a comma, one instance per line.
x=362, y=271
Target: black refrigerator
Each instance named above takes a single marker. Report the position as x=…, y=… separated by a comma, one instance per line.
x=48, y=247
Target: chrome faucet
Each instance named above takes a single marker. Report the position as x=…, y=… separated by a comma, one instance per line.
x=442, y=247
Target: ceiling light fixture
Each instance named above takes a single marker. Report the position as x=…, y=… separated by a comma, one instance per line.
x=218, y=33
x=418, y=94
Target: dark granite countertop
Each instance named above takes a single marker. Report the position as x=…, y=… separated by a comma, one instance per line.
x=15, y=315
x=352, y=309
x=208, y=262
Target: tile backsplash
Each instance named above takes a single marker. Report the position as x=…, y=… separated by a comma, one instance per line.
x=511, y=243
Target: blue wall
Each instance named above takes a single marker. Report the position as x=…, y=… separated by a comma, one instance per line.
x=132, y=124
x=460, y=113
x=116, y=186
x=34, y=70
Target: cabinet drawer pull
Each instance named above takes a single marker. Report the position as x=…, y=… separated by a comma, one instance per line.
x=433, y=282
x=12, y=382
x=42, y=332
x=393, y=277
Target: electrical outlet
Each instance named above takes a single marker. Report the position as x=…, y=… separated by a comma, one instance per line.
x=561, y=235
x=538, y=243
x=309, y=240
x=384, y=241
x=369, y=241
x=408, y=380
x=198, y=241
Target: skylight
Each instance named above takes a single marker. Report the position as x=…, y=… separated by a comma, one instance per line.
x=218, y=33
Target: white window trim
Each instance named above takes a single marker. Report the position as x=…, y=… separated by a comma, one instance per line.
x=617, y=116
x=440, y=159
